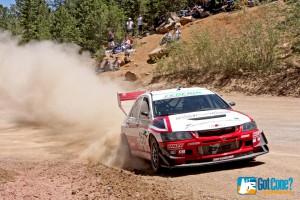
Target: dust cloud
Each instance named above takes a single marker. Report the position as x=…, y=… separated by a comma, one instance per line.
x=51, y=86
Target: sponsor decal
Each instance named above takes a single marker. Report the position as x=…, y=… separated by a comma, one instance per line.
x=245, y=136
x=223, y=158
x=205, y=114
x=193, y=143
x=181, y=94
x=212, y=124
x=249, y=185
x=175, y=146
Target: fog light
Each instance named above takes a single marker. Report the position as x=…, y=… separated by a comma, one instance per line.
x=172, y=152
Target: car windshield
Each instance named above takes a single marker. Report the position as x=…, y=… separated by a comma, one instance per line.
x=188, y=104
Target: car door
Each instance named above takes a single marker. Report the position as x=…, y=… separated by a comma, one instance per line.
x=144, y=121
x=132, y=125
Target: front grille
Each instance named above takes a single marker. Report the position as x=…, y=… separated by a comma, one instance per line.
x=216, y=132
x=219, y=148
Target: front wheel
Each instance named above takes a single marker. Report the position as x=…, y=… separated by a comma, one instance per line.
x=155, y=159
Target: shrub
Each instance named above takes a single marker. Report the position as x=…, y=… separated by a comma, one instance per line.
x=250, y=49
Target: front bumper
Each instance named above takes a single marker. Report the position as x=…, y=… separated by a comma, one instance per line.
x=237, y=157
x=244, y=153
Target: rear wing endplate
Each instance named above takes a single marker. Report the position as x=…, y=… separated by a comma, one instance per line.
x=127, y=96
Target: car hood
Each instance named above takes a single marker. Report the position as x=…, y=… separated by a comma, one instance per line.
x=205, y=120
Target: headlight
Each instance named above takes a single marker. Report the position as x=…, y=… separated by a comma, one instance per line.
x=173, y=136
x=249, y=126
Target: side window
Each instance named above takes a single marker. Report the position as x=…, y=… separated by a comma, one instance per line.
x=145, y=108
x=136, y=109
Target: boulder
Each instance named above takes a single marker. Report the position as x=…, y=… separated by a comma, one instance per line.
x=162, y=30
x=173, y=16
x=130, y=76
x=185, y=20
x=158, y=53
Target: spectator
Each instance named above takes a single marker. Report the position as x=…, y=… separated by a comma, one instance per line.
x=167, y=38
x=177, y=33
x=116, y=64
x=197, y=10
x=203, y=4
x=105, y=67
x=127, y=56
x=130, y=24
x=111, y=40
x=186, y=11
x=128, y=43
x=140, y=24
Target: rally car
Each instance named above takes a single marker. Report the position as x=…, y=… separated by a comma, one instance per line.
x=186, y=127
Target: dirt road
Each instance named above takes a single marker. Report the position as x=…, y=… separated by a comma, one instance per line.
x=37, y=165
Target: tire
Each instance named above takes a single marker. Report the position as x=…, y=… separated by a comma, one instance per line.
x=155, y=159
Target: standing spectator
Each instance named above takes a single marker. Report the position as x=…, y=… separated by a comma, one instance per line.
x=111, y=40
x=130, y=24
x=177, y=33
x=140, y=24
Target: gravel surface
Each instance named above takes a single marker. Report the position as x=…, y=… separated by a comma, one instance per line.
x=36, y=165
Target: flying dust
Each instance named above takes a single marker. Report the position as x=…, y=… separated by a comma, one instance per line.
x=51, y=86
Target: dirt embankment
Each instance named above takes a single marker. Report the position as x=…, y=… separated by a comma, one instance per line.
x=45, y=126
x=284, y=81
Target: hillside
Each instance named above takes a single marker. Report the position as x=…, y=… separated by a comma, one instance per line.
x=284, y=80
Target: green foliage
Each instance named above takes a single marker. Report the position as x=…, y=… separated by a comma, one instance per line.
x=252, y=49
x=3, y=17
x=34, y=19
x=157, y=8
x=64, y=26
x=9, y=20
x=131, y=8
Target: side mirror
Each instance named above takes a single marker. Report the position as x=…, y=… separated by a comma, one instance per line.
x=145, y=113
x=232, y=103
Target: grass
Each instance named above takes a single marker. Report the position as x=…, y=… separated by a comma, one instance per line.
x=252, y=48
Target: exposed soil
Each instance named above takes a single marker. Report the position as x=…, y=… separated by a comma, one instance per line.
x=37, y=165
x=284, y=81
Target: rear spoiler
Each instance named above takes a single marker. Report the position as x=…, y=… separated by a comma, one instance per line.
x=127, y=97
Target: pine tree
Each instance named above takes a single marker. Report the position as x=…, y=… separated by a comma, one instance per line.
x=93, y=22
x=3, y=17
x=43, y=20
x=28, y=19
x=131, y=8
x=63, y=28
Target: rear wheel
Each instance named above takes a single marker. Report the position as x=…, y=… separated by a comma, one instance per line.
x=155, y=159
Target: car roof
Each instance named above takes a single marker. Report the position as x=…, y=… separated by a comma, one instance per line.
x=179, y=92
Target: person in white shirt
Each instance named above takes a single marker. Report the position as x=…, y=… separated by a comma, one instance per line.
x=130, y=24
x=167, y=38
x=140, y=24
x=177, y=33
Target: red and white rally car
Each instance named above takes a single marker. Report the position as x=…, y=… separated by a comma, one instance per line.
x=187, y=127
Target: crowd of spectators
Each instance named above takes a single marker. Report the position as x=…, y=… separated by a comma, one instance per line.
x=201, y=9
